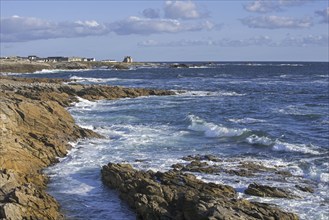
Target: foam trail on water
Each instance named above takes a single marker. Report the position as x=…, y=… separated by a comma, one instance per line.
x=246, y=120
x=94, y=80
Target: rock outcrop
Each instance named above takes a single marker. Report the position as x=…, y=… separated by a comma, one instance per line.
x=268, y=191
x=175, y=195
x=35, y=130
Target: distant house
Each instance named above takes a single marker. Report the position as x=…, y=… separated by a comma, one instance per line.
x=32, y=57
x=128, y=59
x=89, y=59
x=56, y=59
x=75, y=59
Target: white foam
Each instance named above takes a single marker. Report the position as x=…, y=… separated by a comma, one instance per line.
x=47, y=71
x=78, y=188
x=208, y=93
x=302, y=148
x=94, y=80
x=84, y=103
x=254, y=139
x=246, y=120
x=90, y=127
x=199, y=67
x=213, y=130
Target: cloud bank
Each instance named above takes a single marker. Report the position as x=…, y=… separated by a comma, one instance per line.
x=20, y=29
x=265, y=6
x=183, y=10
x=146, y=26
x=276, y=22
x=179, y=16
x=287, y=41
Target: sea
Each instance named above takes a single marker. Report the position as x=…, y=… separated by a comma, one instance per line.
x=275, y=114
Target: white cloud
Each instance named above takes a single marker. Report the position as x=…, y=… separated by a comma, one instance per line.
x=324, y=14
x=19, y=29
x=288, y=41
x=183, y=10
x=276, y=22
x=145, y=26
x=265, y=6
x=262, y=6
x=180, y=43
x=88, y=23
x=310, y=40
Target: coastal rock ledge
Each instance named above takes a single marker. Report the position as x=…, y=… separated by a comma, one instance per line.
x=181, y=196
x=35, y=130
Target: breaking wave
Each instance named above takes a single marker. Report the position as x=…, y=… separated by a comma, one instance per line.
x=93, y=80
x=211, y=129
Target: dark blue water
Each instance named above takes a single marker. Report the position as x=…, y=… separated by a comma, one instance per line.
x=274, y=114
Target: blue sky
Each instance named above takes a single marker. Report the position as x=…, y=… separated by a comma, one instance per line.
x=256, y=30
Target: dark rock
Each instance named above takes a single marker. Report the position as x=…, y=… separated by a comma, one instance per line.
x=179, y=65
x=284, y=173
x=255, y=167
x=240, y=172
x=175, y=195
x=305, y=188
x=201, y=167
x=268, y=191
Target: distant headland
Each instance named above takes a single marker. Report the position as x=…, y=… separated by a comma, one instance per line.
x=32, y=63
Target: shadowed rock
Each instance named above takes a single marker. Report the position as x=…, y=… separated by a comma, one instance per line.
x=175, y=195
x=268, y=191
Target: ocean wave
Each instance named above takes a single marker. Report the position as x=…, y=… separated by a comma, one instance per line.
x=84, y=103
x=255, y=140
x=211, y=129
x=297, y=110
x=301, y=148
x=246, y=120
x=209, y=93
x=324, y=177
x=48, y=71
x=94, y=80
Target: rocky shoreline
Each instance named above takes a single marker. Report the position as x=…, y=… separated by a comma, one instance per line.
x=181, y=196
x=10, y=66
x=35, y=130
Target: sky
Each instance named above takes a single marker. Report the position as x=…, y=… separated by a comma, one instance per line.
x=159, y=30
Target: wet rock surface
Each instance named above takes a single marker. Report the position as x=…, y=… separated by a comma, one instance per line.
x=177, y=195
x=268, y=191
x=35, y=129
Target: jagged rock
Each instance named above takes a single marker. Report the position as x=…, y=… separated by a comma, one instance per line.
x=202, y=157
x=305, y=188
x=175, y=195
x=268, y=191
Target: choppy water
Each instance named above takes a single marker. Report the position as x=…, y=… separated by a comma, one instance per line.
x=276, y=114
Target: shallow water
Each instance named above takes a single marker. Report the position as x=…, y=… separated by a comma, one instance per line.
x=274, y=114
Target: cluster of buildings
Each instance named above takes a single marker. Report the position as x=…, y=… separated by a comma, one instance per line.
x=127, y=59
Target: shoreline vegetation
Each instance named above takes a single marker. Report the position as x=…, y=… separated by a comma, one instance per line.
x=36, y=130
